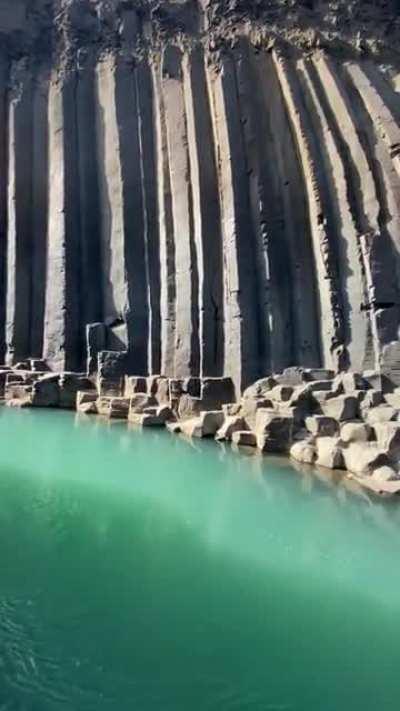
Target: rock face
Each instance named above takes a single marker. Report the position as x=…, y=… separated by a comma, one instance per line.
x=204, y=188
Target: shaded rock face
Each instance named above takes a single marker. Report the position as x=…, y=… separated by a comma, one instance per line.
x=207, y=188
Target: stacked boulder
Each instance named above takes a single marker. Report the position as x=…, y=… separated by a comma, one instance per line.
x=346, y=421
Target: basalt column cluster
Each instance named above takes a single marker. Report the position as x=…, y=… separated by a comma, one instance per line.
x=211, y=212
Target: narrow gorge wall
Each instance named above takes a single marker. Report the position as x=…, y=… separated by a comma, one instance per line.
x=216, y=198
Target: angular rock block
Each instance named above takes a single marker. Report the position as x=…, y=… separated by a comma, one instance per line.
x=281, y=393
x=363, y=457
x=173, y=427
x=385, y=473
x=190, y=406
x=341, y=408
x=231, y=424
x=112, y=365
x=231, y=409
x=210, y=422
x=146, y=420
x=393, y=399
x=322, y=426
x=382, y=413
x=329, y=453
x=191, y=427
x=388, y=438
x=260, y=389
x=86, y=401
x=46, y=391
x=134, y=384
x=138, y=403
x=217, y=391
x=158, y=387
x=95, y=344
x=249, y=407
x=319, y=374
x=70, y=384
x=118, y=408
x=355, y=432
x=18, y=391
x=109, y=387
x=348, y=382
x=38, y=365
x=274, y=432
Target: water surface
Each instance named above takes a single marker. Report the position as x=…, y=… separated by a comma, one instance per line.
x=140, y=572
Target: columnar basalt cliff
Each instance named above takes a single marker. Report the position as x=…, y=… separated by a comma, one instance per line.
x=212, y=188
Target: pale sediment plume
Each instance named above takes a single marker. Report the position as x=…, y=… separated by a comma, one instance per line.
x=217, y=187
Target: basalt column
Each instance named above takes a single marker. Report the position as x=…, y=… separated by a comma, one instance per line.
x=187, y=350
x=206, y=216
x=19, y=237
x=40, y=197
x=63, y=335
x=3, y=198
x=241, y=324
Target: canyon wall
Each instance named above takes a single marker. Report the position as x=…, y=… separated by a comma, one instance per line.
x=212, y=188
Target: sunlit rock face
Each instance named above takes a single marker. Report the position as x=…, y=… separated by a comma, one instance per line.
x=211, y=187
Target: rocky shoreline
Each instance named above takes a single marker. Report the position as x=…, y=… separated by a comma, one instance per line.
x=344, y=421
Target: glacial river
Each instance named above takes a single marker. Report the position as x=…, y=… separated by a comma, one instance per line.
x=139, y=572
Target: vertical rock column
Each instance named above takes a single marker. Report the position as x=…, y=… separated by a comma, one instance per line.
x=329, y=118
x=241, y=352
x=113, y=273
x=40, y=167
x=90, y=254
x=63, y=336
x=3, y=199
x=187, y=353
x=146, y=104
x=206, y=216
x=134, y=252
x=166, y=233
x=329, y=299
x=19, y=237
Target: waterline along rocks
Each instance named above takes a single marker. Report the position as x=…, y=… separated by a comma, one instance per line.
x=346, y=421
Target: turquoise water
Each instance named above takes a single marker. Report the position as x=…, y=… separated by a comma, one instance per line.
x=140, y=572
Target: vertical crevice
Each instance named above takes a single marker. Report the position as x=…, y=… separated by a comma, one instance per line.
x=187, y=348
x=166, y=233
x=133, y=216
x=145, y=104
x=4, y=70
x=19, y=237
x=40, y=139
x=241, y=353
x=89, y=213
